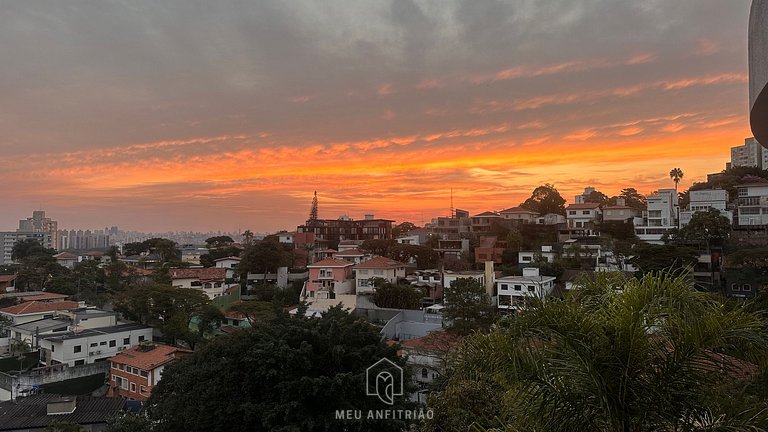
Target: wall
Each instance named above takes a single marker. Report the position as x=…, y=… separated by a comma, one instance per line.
x=47, y=375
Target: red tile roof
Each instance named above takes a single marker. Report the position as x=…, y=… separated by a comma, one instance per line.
x=210, y=273
x=351, y=252
x=7, y=278
x=45, y=296
x=32, y=307
x=380, y=262
x=65, y=256
x=437, y=341
x=487, y=214
x=584, y=206
x=148, y=360
x=330, y=262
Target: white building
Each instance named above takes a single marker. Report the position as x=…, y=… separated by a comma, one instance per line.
x=753, y=204
x=751, y=154
x=512, y=291
x=450, y=276
x=211, y=281
x=378, y=267
x=703, y=200
x=551, y=219
x=35, y=310
x=519, y=214
x=87, y=346
x=584, y=216
x=547, y=254
x=581, y=199
x=660, y=217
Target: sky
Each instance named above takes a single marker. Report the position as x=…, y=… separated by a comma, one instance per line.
x=228, y=115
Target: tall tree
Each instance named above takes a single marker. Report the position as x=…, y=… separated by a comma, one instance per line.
x=632, y=198
x=545, y=199
x=656, y=357
x=291, y=375
x=708, y=228
x=597, y=197
x=467, y=306
x=676, y=174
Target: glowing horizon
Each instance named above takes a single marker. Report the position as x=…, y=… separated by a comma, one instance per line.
x=114, y=116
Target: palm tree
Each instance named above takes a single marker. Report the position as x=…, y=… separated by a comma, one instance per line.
x=618, y=355
x=676, y=174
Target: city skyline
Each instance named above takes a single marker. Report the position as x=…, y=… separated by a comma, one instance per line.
x=199, y=116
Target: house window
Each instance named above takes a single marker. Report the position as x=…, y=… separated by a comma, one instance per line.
x=77, y=348
x=527, y=258
x=746, y=287
x=142, y=389
x=145, y=374
x=112, y=343
x=518, y=287
x=79, y=362
x=94, y=344
x=572, y=212
x=103, y=343
x=127, y=341
x=531, y=288
x=123, y=383
x=735, y=287
x=424, y=373
x=53, y=348
x=585, y=212
x=133, y=387
x=504, y=286
x=141, y=338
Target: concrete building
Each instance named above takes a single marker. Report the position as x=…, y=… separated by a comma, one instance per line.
x=82, y=240
x=334, y=231
x=551, y=219
x=92, y=345
x=512, y=291
x=377, y=267
x=582, y=220
x=10, y=238
x=583, y=197
x=547, y=254
x=134, y=372
x=450, y=276
x=490, y=249
x=703, y=200
x=483, y=222
x=519, y=214
x=620, y=212
x=751, y=154
x=212, y=281
x=752, y=205
x=38, y=223
x=758, y=70
x=660, y=217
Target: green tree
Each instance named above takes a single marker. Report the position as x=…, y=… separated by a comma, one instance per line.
x=263, y=257
x=545, y=199
x=651, y=258
x=655, y=356
x=468, y=307
x=597, y=197
x=291, y=375
x=632, y=198
x=218, y=242
x=27, y=248
x=378, y=246
x=256, y=312
x=705, y=228
x=402, y=229
x=128, y=422
x=396, y=296
x=58, y=426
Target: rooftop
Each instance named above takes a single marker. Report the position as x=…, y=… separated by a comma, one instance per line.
x=584, y=206
x=518, y=210
x=32, y=307
x=487, y=214
x=330, y=262
x=351, y=252
x=209, y=273
x=146, y=358
x=380, y=262
x=234, y=258
x=32, y=412
x=526, y=279
x=437, y=341
x=99, y=331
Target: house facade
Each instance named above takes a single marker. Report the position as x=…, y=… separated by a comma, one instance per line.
x=377, y=267
x=134, y=372
x=660, y=218
x=329, y=277
x=752, y=204
x=519, y=214
x=87, y=346
x=512, y=291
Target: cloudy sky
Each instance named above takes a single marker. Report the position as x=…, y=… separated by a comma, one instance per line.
x=199, y=114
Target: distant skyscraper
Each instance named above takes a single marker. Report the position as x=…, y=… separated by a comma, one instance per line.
x=38, y=227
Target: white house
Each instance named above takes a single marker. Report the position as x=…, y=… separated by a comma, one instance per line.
x=660, y=218
x=583, y=216
x=512, y=291
x=91, y=345
x=35, y=310
x=377, y=267
x=61, y=322
x=355, y=256
x=546, y=253
x=211, y=281
x=703, y=200
x=519, y=214
x=450, y=276
x=66, y=259
x=752, y=204
x=551, y=219
x=230, y=263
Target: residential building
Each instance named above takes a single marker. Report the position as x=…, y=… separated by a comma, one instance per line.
x=10, y=238
x=60, y=322
x=546, y=254
x=212, y=281
x=512, y=291
x=134, y=372
x=582, y=220
x=38, y=223
x=428, y=357
x=229, y=263
x=751, y=154
x=489, y=249
x=377, y=267
x=551, y=219
x=451, y=227
x=452, y=248
x=329, y=277
x=335, y=230
x=584, y=196
x=82, y=240
x=450, y=276
x=703, y=200
x=519, y=215
x=7, y=283
x=620, y=212
x=752, y=205
x=41, y=412
x=660, y=218
x=92, y=345
x=483, y=222
x=35, y=310
x=355, y=256
x=66, y=259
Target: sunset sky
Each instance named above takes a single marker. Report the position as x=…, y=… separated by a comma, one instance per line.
x=208, y=115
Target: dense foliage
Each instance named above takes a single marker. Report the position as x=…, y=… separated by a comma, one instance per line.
x=467, y=306
x=291, y=375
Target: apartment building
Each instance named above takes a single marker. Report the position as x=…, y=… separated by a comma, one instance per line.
x=703, y=200
x=752, y=204
x=751, y=154
x=660, y=218
x=134, y=372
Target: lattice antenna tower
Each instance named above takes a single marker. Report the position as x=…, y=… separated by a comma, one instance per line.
x=313, y=211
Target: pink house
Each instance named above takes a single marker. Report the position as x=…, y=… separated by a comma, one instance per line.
x=330, y=277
